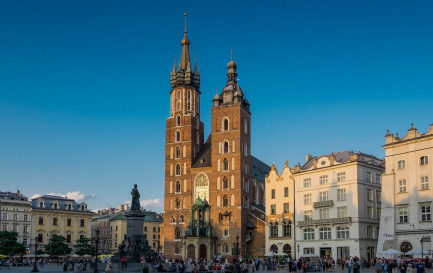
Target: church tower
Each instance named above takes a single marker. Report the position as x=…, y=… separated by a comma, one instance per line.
x=184, y=137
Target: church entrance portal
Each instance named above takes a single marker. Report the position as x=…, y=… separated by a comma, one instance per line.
x=202, y=251
x=191, y=251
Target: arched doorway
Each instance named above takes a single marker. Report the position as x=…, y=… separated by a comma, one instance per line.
x=191, y=251
x=274, y=248
x=287, y=249
x=202, y=251
x=405, y=247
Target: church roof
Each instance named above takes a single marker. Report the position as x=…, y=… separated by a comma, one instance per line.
x=259, y=169
x=203, y=159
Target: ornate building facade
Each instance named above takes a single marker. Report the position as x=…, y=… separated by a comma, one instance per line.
x=214, y=189
x=406, y=222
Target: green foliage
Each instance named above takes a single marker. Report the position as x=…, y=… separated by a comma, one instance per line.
x=57, y=246
x=9, y=244
x=84, y=246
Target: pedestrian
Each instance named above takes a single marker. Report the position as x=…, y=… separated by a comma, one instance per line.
x=356, y=266
x=108, y=267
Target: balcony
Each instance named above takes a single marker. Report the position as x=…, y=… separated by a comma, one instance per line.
x=322, y=204
x=331, y=221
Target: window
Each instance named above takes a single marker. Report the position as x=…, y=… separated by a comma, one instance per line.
x=370, y=232
x=225, y=147
x=325, y=233
x=26, y=218
x=307, y=199
x=368, y=177
x=342, y=232
x=341, y=212
x=308, y=250
x=69, y=222
x=341, y=194
x=287, y=228
x=177, y=186
x=226, y=232
x=188, y=100
x=308, y=234
x=377, y=178
x=423, y=160
x=286, y=207
x=286, y=192
x=177, y=169
x=172, y=220
x=287, y=249
x=82, y=222
x=178, y=100
x=177, y=203
x=424, y=183
x=341, y=177
x=41, y=204
x=225, y=183
x=402, y=185
x=177, y=234
x=225, y=201
x=378, y=196
x=225, y=164
x=41, y=220
x=178, y=120
x=324, y=213
x=370, y=212
x=308, y=215
x=273, y=194
x=307, y=182
x=40, y=238
x=245, y=127
x=25, y=243
x=177, y=152
x=273, y=209
x=68, y=238
x=5, y=216
x=15, y=217
x=273, y=229
x=369, y=194
x=378, y=212
x=225, y=124
x=225, y=249
x=425, y=212
x=25, y=229
x=55, y=206
x=401, y=164
x=403, y=215
x=323, y=196
x=55, y=221
x=323, y=179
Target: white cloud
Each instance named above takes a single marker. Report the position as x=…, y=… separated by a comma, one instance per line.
x=76, y=195
x=152, y=204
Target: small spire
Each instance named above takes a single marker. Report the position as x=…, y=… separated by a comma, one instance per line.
x=231, y=53
x=411, y=126
x=174, y=65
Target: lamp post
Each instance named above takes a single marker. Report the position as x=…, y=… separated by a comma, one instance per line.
x=97, y=232
x=422, y=247
x=35, y=268
x=298, y=251
x=237, y=248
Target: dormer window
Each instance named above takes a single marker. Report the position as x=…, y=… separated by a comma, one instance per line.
x=41, y=204
x=55, y=206
x=83, y=207
x=69, y=206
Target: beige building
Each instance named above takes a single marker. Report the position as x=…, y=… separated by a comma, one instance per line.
x=15, y=211
x=117, y=231
x=407, y=202
x=280, y=204
x=152, y=228
x=337, y=204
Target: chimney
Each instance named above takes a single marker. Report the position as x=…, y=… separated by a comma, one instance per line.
x=308, y=157
x=125, y=207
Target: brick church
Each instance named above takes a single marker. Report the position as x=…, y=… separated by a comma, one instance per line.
x=214, y=187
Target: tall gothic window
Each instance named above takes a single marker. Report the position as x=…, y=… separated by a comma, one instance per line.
x=202, y=186
x=225, y=147
x=177, y=169
x=225, y=183
x=245, y=127
x=178, y=100
x=225, y=201
x=225, y=164
x=177, y=152
x=177, y=136
x=177, y=233
x=188, y=100
x=178, y=120
x=225, y=124
x=177, y=203
x=177, y=186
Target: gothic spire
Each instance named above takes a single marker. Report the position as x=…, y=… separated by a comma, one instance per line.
x=185, y=61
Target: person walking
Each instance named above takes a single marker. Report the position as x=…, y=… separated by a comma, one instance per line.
x=108, y=267
x=356, y=266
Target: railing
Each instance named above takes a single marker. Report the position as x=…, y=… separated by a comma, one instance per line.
x=321, y=204
x=332, y=221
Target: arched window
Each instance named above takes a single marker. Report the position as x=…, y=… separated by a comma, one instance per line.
x=178, y=120
x=177, y=203
x=343, y=232
x=178, y=100
x=220, y=217
x=325, y=233
x=308, y=234
x=287, y=228
x=274, y=248
x=225, y=124
x=83, y=207
x=177, y=169
x=188, y=100
x=197, y=135
x=225, y=164
x=287, y=249
x=177, y=152
x=405, y=247
x=225, y=147
x=181, y=219
x=173, y=219
x=202, y=186
x=177, y=250
x=225, y=201
x=177, y=136
x=177, y=233
x=273, y=229
x=245, y=127
x=245, y=149
x=225, y=183
x=225, y=248
x=177, y=186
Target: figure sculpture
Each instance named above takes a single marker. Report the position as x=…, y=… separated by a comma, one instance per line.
x=135, y=205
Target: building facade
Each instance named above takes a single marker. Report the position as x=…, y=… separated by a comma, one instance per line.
x=210, y=186
x=58, y=215
x=337, y=205
x=280, y=211
x=15, y=213
x=407, y=203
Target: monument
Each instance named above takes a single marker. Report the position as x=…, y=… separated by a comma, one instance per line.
x=134, y=245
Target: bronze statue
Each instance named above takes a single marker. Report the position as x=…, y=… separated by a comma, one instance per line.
x=135, y=205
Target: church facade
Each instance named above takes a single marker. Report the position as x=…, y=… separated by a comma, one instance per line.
x=214, y=187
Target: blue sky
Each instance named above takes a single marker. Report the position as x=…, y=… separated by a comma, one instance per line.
x=84, y=85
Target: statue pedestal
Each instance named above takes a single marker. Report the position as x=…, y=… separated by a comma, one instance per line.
x=135, y=222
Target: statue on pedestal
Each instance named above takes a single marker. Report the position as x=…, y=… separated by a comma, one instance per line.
x=135, y=205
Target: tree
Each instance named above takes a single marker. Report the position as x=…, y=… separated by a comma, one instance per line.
x=57, y=246
x=84, y=246
x=9, y=244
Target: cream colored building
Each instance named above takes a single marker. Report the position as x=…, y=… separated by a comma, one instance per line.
x=280, y=192
x=337, y=205
x=407, y=200
x=117, y=231
x=15, y=213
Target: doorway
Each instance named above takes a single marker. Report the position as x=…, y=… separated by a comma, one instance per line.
x=191, y=251
x=325, y=252
x=202, y=251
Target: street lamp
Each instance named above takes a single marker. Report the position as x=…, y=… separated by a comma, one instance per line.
x=35, y=268
x=422, y=247
x=97, y=232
